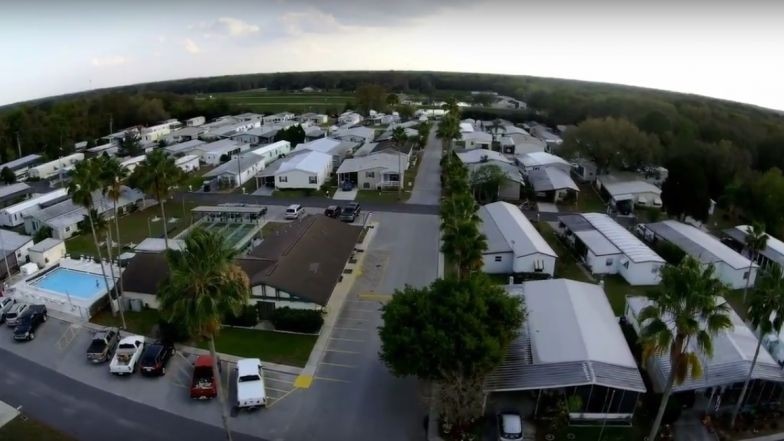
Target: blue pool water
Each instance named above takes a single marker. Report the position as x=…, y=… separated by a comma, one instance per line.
x=77, y=284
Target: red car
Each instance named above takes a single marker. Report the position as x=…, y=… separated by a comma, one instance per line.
x=203, y=386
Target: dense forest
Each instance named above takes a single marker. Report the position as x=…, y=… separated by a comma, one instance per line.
x=728, y=149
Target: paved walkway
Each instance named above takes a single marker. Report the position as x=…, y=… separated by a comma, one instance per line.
x=427, y=187
x=341, y=195
x=7, y=413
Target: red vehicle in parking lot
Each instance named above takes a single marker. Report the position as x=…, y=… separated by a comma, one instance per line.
x=203, y=386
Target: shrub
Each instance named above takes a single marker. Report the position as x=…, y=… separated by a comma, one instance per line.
x=297, y=320
x=172, y=332
x=248, y=317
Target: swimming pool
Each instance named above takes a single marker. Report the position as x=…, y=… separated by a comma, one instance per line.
x=68, y=282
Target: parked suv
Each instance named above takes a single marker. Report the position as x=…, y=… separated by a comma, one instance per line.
x=294, y=211
x=155, y=358
x=6, y=303
x=350, y=212
x=333, y=211
x=346, y=185
x=13, y=314
x=29, y=322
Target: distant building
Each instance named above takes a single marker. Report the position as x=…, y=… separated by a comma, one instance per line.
x=195, y=121
x=52, y=168
x=13, y=215
x=376, y=171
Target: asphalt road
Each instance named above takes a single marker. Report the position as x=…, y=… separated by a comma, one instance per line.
x=427, y=187
x=87, y=413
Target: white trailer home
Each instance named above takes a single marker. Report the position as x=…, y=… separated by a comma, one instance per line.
x=308, y=169
x=13, y=216
x=52, y=168
x=608, y=248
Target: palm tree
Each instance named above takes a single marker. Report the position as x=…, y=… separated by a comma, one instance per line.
x=448, y=130
x=685, y=311
x=464, y=244
x=204, y=285
x=112, y=176
x=85, y=181
x=156, y=175
x=766, y=314
x=756, y=241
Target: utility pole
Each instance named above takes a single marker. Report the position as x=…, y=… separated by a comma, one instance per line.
x=111, y=123
x=18, y=145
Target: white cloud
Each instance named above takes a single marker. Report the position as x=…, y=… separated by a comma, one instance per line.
x=311, y=21
x=235, y=27
x=107, y=61
x=191, y=47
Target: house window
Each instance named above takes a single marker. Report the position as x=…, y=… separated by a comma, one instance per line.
x=67, y=229
x=283, y=179
x=499, y=258
x=312, y=179
x=370, y=174
x=609, y=261
x=745, y=275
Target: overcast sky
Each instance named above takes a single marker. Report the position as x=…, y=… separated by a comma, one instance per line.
x=726, y=49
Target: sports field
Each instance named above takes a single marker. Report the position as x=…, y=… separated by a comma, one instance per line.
x=296, y=102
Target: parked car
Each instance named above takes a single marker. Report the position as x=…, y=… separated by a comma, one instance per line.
x=346, y=185
x=155, y=358
x=103, y=345
x=350, y=212
x=28, y=322
x=203, y=385
x=127, y=355
x=333, y=211
x=251, y=392
x=5, y=305
x=13, y=314
x=510, y=426
x=294, y=211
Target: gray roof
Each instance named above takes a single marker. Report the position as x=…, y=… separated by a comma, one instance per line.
x=698, y=244
x=184, y=147
x=774, y=248
x=617, y=236
x=14, y=189
x=549, y=178
x=510, y=170
x=733, y=352
x=571, y=338
x=247, y=161
x=22, y=162
x=12, y=241
x=388, y=162
x=45, y=245
x=507, y=229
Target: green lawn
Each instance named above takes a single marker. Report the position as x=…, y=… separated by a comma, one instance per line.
x=588, y=200
x=24, y=428
x=134, y=228
x=138, y=322
x=275, y=347
x=196, y=179
x=567, y=266
x=617, y=289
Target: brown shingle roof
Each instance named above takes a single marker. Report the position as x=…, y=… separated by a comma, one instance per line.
x=306, y=258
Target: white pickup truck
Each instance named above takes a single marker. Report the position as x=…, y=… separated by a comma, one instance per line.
x=251, y=392
x=126, y=356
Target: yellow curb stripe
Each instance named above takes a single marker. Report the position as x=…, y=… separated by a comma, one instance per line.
x=303, y=381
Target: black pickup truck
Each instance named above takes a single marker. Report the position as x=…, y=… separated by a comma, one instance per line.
x=350, y=212
x=102, y=345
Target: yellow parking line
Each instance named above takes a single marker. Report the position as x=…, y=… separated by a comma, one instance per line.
x=335, y=380
x=347, y=339
x=339, y=365
x=279, y=381
x=282, y=397
x=277, y=390
x=303, y=381
x=341, y=351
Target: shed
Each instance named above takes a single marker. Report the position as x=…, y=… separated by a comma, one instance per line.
x=47, y=252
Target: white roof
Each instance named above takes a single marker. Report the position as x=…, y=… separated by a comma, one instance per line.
x=501, y=220
x=218, y=147
x=155, y=244
x=34, y=201
x=45, y=245
x=12, y=241
x=182, y=146
x=478, y=136
x=629, y=244
x=313, y=162
x=134, y=160
x=538, y=159
x=597, y=243
x=185, y=159
x=8, y=190
x=466, y=127
x=698, y=244
x=323, y=145
x=478, y=155
x=773, y=247
x=387, y=161
x=619, y=189
x=550, y=178
x=573, y=321
x=260, y=151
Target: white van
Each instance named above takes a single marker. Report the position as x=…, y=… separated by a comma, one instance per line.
x=294, y=211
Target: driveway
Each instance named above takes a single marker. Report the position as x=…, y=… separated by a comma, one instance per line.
x=341, y=195
x=427, y=187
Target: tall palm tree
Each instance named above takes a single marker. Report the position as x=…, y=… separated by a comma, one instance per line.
x=112, y=176
x=157, y=175
x=204, y=285
x=399, y=135
x=448, y=130
x=756, y=241
x=464, y=244
x=766, y=314
x=685, y=311
x=85, y=182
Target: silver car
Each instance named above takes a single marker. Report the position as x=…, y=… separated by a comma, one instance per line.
x=13, y=314
x=5, y=305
